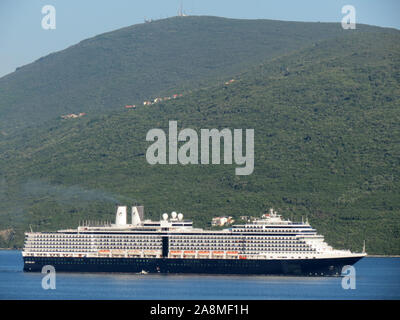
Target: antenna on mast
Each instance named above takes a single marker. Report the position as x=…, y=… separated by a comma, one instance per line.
x=363, y=251
x=180, y=10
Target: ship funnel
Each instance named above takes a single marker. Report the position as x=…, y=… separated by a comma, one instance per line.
x=135, y=216
x=120, y=218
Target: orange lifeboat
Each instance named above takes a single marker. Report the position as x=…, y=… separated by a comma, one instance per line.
x=218, y=253
x=204, y=252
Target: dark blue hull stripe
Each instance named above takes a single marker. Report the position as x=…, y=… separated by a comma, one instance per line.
x=314, y=267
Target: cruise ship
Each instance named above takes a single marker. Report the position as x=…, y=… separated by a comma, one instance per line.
x=269, y=245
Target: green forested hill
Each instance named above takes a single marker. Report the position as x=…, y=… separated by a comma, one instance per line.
x=144, y=61
x=326, y=121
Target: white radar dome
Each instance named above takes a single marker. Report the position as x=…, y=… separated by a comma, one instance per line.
x=173, y=215
x=180, y=216
x=165, y=216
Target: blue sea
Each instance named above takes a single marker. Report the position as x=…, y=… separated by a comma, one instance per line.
x=376, y=278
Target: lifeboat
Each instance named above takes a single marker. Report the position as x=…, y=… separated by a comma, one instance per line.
x=204, y=252
x=232, y=253
x=134, y=252
x=150, y=252
x=242, y=257
x=189, y=253
x=218, y=253
x=175, y=252
x=118, y=252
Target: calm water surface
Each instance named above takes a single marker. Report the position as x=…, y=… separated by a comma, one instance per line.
x=376, y=278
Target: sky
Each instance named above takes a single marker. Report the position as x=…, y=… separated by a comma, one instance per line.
x=23, y=40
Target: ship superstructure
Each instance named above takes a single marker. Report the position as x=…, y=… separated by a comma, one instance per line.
x=267, y=245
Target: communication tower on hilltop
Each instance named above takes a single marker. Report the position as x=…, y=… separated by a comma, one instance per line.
x=181, y=13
